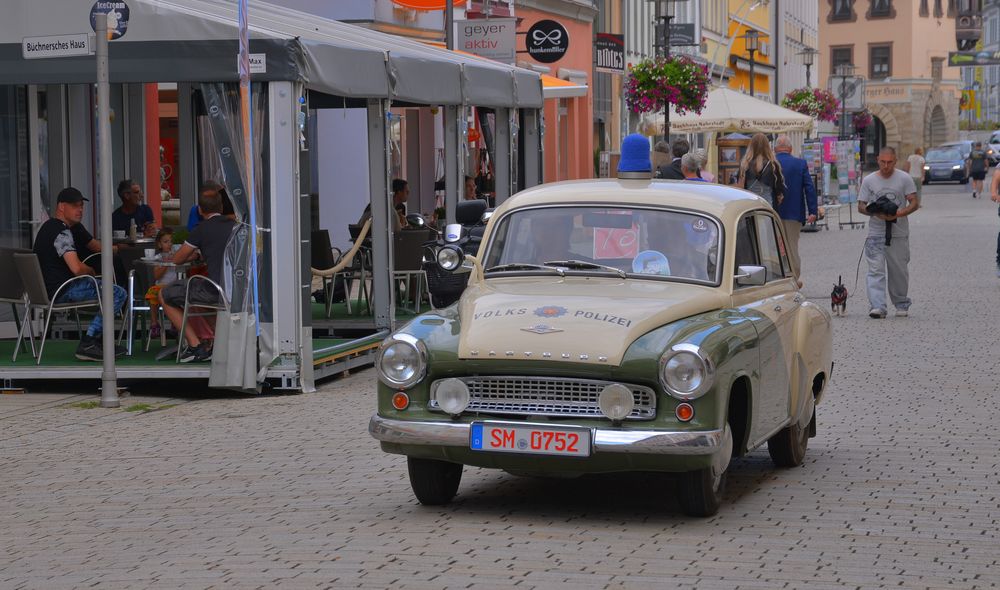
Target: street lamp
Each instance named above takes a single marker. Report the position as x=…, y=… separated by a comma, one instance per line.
x=808, y=59
x=752, y=40
x=666, y=15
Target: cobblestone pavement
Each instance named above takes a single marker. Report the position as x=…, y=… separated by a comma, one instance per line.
x=900, y=488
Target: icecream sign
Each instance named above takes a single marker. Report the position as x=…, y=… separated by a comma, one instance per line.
x=116, y=11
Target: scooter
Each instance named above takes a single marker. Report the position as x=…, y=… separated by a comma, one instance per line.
x=445, y=286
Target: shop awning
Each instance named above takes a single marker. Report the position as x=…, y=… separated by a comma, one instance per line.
x=727, y=110
x=553, y=87
x=196, y=41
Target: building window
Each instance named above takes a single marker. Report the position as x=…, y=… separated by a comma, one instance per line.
x=880, y=61
x=880, y=9
x=924, y=11
x=841, y=11
x=714, y=15
x=839, y=56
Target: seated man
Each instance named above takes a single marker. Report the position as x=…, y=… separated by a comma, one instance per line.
x=400, y=194
x=133, y=209
x=56, y=246
x=194, y=218
x=210, y=238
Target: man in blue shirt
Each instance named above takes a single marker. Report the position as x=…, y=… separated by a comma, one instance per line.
x=131, y=209
x=799, y=205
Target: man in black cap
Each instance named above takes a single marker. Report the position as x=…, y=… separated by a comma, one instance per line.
x=56, y=246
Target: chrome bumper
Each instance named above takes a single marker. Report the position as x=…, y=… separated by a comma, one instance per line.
x=648, y=442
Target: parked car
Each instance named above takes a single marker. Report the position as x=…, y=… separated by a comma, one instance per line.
x=611, y=325
x=993, y=148
x=946, y=163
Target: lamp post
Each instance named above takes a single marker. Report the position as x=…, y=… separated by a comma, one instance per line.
x=663, y=6
x=808, y=59
x=752, y=41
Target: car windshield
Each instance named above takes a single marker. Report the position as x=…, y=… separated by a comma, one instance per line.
x=621, y=241
x=995, y=139
x=943, y=155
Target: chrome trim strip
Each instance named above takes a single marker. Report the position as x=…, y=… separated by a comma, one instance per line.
x=647, y=442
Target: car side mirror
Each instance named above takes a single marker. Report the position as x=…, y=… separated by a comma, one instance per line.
x=749, y=275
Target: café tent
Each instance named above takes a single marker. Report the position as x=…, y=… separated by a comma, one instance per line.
x=729, y=111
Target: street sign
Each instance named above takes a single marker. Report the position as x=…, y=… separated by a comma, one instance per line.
x=547, y=41
x=850, y=90
x=681, y=35
x=609, y=53
x=56, y=46
x=492, y=38
x=116, y=11
x=963, y=59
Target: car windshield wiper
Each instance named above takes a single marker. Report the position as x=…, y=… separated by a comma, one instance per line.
x=581, y=264
x=513, y=266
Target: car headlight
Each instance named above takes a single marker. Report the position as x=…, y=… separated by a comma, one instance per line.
x=685, y=372
x=402, y=361
x=927, y=167
x=956, y=167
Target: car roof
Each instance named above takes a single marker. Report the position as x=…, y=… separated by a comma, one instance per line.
x=723, y=202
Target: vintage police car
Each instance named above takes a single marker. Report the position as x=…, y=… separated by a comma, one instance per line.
x=611, y=325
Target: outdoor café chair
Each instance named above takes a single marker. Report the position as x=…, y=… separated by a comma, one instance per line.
x=348, y=269
x=198, y=309
x=11, y=287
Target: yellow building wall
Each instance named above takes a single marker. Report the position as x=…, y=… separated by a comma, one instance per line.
x=741, y=18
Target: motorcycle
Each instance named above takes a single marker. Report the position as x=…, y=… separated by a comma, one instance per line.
x=445, y=286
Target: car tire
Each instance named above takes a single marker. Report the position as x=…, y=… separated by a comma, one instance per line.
x=700, y=492
x=434, y=482
x=788, y=447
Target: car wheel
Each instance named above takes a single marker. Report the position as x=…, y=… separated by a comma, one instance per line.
x=701, y=492
x=434, y=482
x=788, y=447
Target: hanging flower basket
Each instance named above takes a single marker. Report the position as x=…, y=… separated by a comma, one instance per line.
x=815, y=102
x=652, y=84
x=862, y=119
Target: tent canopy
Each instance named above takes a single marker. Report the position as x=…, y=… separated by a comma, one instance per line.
x=727, y=110
x=197, y=41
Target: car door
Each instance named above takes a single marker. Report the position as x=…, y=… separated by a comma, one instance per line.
x=772, y=306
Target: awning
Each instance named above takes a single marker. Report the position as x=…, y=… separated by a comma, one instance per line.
x=422, y=4
x=196, y=41
x=727, y=110
x=553, y=87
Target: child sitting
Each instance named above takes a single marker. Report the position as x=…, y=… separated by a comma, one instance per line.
x=163, y=275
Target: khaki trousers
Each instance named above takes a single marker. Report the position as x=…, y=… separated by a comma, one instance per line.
x=792, y=230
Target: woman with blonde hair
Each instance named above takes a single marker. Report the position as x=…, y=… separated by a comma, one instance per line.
x=760, y=172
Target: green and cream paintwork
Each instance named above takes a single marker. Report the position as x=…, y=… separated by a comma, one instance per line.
x=767, y=337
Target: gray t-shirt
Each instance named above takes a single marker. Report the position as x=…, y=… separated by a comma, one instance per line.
x=896, y=187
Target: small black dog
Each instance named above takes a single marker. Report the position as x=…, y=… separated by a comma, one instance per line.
x=838, y=298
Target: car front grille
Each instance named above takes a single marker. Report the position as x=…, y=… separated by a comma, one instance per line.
x=547, y=396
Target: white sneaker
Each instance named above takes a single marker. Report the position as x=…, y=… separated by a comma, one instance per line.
x=876, y=314
x=902, y=313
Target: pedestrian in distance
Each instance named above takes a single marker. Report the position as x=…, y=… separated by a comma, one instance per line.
x=888, y=196
x=661, y=154
x=760, y=171
x=976, y=167
x=690, y=164
x=673, y=170
x=799, y=205
x=995, y=197
x=915, y=166
x=702, y=156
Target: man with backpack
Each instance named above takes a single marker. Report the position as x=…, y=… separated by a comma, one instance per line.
x=977, y=164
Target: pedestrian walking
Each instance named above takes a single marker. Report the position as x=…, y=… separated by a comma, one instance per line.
x=703, y=172
x=760, y=172
x=672, y=171
x=915, y=166
x=690, y=163
x=995, y=197
x=887, y=248
x=799, y=205
x=977, y=164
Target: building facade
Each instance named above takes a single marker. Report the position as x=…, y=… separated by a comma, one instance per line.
x=798, y=32
x=901, y=48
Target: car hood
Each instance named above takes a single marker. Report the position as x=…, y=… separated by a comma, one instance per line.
x=572, y=319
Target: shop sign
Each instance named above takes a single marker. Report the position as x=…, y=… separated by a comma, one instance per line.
x=116, y=11
x=492, y=38
x=55, y=46
x=258, y=63
x=876, y=93
x=609, y=53
x=547, y=41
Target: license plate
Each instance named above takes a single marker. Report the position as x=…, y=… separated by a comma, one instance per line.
x=530, y=439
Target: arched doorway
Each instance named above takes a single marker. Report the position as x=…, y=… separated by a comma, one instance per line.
x=937, y=131
x=872, y=141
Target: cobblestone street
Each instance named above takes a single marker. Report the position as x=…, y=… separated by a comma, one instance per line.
x=900, y=488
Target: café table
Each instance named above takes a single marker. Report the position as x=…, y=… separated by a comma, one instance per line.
x=150, y=263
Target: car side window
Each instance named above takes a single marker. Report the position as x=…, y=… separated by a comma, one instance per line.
x=771, y=247
x=746, y=249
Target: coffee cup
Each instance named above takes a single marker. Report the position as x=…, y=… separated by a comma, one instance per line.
x=150, y=252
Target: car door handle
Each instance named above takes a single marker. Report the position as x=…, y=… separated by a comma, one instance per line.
x=777, y=308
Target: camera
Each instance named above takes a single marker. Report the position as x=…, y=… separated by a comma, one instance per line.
x=883, y=205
